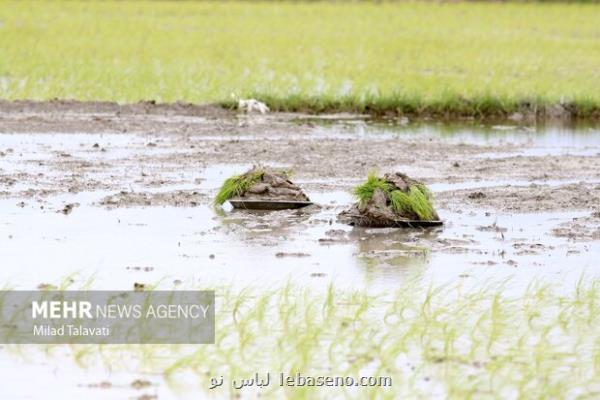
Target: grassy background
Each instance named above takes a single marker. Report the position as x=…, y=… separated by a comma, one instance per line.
x=466, y=58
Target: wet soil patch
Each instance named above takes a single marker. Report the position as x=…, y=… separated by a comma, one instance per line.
x=177, y=198
x=143, y=107
x=580, y=229
x=532, y=198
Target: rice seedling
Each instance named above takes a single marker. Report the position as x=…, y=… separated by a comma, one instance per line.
x=414, y=202
x=365, y=192
x=287, y=54
x=431, y=341
x=236, y=185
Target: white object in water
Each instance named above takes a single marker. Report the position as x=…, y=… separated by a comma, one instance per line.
x=252, y=105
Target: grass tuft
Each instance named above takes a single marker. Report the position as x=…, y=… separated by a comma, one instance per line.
x=364, y=192
x=416, y=201
x=237, y=185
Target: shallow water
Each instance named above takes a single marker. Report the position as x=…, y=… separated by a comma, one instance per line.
x=40, y=245
x=551, y=137
x=201, y=245
x=66, y=380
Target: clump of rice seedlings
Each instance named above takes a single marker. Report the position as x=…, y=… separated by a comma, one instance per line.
x=365, y=192
x=412, y=200
x=262, y=183
x=237, y=185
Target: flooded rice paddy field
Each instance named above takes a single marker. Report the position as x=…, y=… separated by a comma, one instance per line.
x=118, y=197
x=128, y=198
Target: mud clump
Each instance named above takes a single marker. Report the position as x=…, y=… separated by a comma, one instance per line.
x=140, y=384
x=261, y=183
x=394, y=200
x=298, y=255
x=477, y=195
x=68, y=208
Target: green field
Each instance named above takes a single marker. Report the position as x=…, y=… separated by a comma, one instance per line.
x=465, y=58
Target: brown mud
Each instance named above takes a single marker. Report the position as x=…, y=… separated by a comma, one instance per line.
x=580, y=229
x=177, y=198
x=526, y=199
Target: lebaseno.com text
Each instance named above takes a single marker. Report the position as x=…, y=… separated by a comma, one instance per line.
x=301, y=380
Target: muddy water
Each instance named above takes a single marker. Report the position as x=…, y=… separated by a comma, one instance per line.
x=190, y=245
x=199, y=245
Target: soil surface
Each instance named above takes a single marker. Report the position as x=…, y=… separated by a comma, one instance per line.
x=153, y=147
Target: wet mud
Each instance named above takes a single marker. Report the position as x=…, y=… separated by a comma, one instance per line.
x=177, y=198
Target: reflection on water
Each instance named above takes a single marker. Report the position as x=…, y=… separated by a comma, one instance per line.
x=552, y=136
x=389, y=253
x=306, y=246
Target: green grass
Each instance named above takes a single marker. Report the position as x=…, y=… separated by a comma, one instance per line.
x=473, y=59
x=434, y=342
x=237, y=185
x=365, y=192
x=416, y=203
